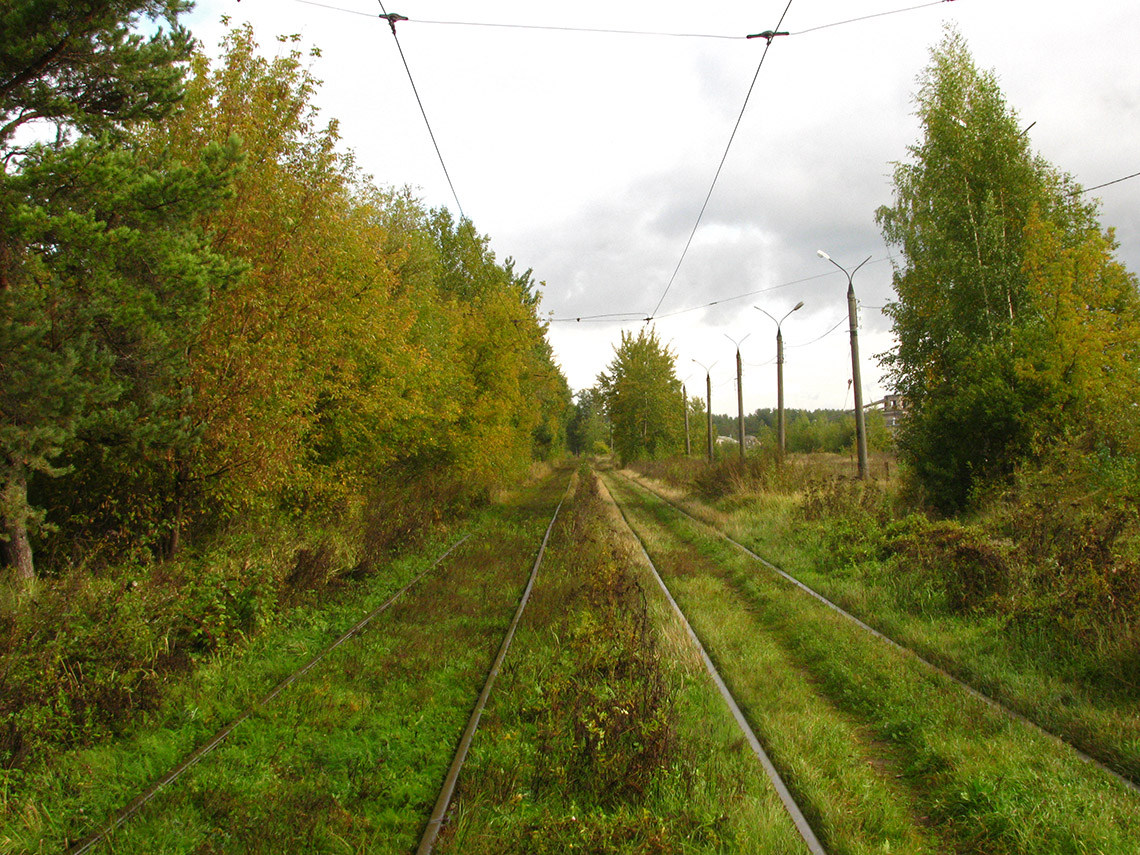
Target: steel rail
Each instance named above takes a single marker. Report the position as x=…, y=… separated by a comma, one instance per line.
x=798, y=819
x=194, y=757
x=962, y=684
x=443, y=802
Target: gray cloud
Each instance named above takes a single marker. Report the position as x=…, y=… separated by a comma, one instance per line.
x=587, y=158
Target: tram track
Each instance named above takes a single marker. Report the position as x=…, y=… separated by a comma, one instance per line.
x=975, y=775
x=609, y=675
x=749, y=683
x=487, y=555
x=803, y=826
x=962, y=684
x=201, y=751
x=431, y=831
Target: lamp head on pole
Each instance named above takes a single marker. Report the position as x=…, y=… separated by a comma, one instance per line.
x=823, y=254
x=798, y=306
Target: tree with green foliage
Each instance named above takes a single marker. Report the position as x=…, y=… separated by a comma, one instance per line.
x=102, y=269
x=973, y=210
x=292, y=331
x=589, y=428
x=369, y=341
x=643, y=398
x=217, y=314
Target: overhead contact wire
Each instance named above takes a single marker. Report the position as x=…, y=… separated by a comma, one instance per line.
x=1107, y=184
x=819, y=338
x=719, y=168
x=609, y=31
x=335, y=8
x=392, y=23
x=597, y=30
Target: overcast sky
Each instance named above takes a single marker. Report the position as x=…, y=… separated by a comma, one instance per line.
x=587, y=156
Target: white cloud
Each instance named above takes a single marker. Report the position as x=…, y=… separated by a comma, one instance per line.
x=587, y=157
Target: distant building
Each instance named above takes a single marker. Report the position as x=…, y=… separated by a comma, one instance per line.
x=894, y=409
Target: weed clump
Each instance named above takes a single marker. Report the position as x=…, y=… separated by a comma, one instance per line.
x=1076, y=520
x=606, y=710
x=1056, y=549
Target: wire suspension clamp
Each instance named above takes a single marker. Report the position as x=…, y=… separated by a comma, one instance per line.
x=392, y=18
x=767, y=35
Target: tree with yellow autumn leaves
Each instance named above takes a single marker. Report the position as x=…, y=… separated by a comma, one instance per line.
x=247, y=322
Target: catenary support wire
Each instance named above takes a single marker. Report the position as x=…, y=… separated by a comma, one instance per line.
x=392, y=19
x=768, y=37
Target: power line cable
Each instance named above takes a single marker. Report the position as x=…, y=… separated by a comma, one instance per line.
x=742, y=296
x=637, y=316
x=608, y=31
x=820, y=338
x=640, y=316
x=869, y=17
x=768, y=45
x=768, y=35
x=392, y=19
x=548, y=27
x=597, y=30
x=619, y=318
x=1107, y=184
x=336, y=8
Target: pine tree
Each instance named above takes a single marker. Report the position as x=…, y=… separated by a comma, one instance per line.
x=101, y=269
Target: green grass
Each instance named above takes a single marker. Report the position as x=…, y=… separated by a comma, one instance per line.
x=605, y=733
x=1064, y=685
x=1077, y=688
x=823, y=694
x=349, y=758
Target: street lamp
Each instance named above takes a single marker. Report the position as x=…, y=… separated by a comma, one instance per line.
x=708, y=403
x=860, y=425
x=739, y=394
x=780, y=375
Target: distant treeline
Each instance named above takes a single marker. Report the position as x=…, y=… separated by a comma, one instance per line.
x=806, y=431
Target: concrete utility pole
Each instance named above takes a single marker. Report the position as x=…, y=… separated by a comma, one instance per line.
x=780, y=433
x=685, y=404
x=853, y=316
x=708, y=412
x=708, y=405
x=739, y=394
x=740, y=404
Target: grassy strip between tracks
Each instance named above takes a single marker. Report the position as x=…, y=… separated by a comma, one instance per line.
x=604, y=733
x=350, y=758
x=971, y=779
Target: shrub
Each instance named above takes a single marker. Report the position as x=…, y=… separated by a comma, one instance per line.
x=85, y=654
x=1076, y=522
x=79, y=659
x=971, y=567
